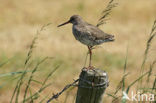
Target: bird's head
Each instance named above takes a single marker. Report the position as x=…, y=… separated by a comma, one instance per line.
x=75, y=19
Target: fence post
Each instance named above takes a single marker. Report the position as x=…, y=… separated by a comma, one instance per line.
x=92, y=85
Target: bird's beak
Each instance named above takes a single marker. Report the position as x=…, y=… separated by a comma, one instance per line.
x=64, y=23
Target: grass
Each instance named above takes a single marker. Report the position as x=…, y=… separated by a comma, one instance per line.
x=17, y=30
x=20, y=81
x=140, y=78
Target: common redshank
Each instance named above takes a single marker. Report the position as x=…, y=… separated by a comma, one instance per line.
x=88, y=34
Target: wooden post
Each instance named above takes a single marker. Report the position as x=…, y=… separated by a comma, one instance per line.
x=91, y=86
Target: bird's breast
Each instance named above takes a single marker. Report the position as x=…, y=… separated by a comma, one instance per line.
x=76, y=32
x=81, y=35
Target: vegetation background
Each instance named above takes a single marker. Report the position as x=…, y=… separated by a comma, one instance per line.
x=131, y=22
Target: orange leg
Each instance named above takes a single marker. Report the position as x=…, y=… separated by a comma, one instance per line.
x=90, y=52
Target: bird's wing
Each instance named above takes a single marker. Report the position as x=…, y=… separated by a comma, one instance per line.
x=97, y=33
x=84, y=32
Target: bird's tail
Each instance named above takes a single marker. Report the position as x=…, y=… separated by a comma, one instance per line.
x=111, y=38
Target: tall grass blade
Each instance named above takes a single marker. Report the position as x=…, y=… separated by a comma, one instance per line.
x=154, y=85
x=136, y=81
x=5, y=62
x=111, y=95
x=20, y=81
x=13, y=73
x=148, y=45
x=35, y=95
x=125, y=65
x=31, y=76
x=43, y=84
x=120, y=85
x=12, y=79
x=150, y=72
x=30, y=92
x=49, y=75
x=106, y=12
x=36, y=81
x=122, y=82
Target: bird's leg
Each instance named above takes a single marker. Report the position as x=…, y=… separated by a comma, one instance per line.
x=90, y=52
x=86, y=58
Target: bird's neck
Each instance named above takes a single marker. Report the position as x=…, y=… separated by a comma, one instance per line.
x=80, y=22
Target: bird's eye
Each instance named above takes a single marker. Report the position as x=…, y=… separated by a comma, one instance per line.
x=72, y=19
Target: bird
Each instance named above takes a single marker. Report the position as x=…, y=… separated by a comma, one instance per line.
x=87, y=34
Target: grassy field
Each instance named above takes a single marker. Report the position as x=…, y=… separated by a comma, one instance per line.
x=131, y=22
